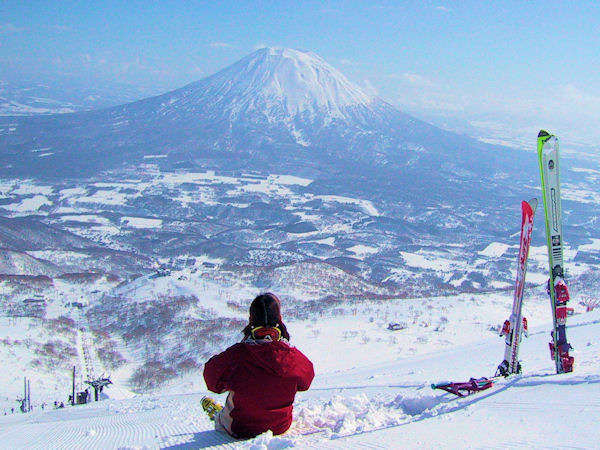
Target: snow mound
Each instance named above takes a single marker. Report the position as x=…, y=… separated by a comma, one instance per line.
x=494, y=250
x=343, y=416
x=267, y=441
x=416, y=406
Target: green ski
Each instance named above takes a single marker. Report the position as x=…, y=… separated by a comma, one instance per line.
x=547, y=146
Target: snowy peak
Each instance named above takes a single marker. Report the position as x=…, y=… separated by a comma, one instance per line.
x=280, y=83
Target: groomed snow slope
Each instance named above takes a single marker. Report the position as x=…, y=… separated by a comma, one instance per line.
x=387, y=405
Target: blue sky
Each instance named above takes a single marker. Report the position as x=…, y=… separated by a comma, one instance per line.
x=480, y=62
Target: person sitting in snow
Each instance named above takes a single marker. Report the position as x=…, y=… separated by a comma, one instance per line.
x=262, y=374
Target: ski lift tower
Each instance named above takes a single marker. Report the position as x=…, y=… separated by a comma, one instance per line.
x=98, y=385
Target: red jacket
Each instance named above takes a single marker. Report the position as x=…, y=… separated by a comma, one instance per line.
x=262, y=378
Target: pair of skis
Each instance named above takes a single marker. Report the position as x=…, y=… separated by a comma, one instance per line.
x=516, y=325
x=548, y=158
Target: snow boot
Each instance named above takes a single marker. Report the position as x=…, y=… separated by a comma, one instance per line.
x=211, y=407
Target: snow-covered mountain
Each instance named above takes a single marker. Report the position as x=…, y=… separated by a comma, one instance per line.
x=277, y=83
x=275, y=108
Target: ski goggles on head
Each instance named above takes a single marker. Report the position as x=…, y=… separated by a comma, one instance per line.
x=272, y=333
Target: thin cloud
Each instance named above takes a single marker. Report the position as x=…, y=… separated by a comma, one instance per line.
x=220, y=45
x=61, y=28
x=417, y=80
x=196, y=71
x=443, y=9
x=383, y=7
x=9, y=28
x=369, y=88
x=570, y=94
x=133, y=65
x=507, y=117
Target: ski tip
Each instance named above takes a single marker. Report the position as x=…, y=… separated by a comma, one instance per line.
x=533, y=203
x=543, y=133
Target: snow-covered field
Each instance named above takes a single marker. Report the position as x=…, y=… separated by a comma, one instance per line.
x=370, y=392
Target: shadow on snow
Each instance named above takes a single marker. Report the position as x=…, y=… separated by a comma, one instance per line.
x=203, y=439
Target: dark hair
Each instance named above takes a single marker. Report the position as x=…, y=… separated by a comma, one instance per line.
x=265, y=311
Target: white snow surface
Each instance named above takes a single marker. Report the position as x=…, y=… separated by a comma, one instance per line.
x=579, y=194
x=594, y=246
x=366, y=205
x=362, y=251
x=430, y=260
x=374, y=393
x=275, y=83
x=141, y=222
x=494, y=250
x=28, y=205
x=105, y=197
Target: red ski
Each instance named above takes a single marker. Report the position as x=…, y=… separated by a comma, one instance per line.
x=516, y=325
